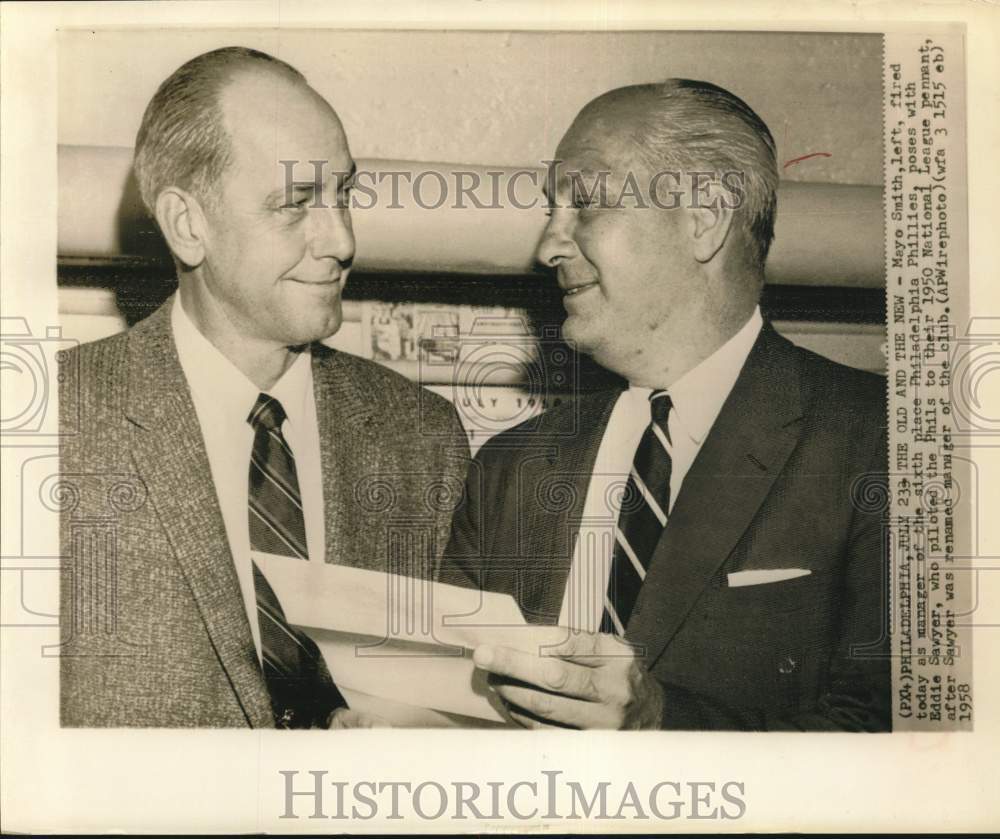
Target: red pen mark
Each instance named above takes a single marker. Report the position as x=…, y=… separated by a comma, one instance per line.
x=806, y=157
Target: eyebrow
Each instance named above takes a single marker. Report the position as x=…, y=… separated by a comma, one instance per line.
x=285, y=191
x=587, y=174
x=567, y=176
x=310, y=186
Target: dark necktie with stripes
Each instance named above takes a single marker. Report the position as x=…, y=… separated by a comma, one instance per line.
x=642, y=518
x=302, y=692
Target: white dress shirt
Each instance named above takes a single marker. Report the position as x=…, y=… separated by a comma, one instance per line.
x=697, y=398
x=223, y=397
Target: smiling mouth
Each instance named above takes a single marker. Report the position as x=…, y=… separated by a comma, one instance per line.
x=569, y=292
x=334, y=281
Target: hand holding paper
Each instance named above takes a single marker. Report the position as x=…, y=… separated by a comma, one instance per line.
x=344, y=718
x=588, y=681
x=399, y=647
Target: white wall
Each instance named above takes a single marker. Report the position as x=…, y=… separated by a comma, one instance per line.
x=503, y=98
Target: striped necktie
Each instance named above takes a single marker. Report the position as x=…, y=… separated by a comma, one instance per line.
x=642, y=518
x=302, y=692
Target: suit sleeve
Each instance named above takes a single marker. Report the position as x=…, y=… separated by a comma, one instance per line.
x=452, y=462
x=462, y=563
x=856, y=695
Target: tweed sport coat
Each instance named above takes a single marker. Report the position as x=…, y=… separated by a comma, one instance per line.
x=154, y=629
x=791, y=476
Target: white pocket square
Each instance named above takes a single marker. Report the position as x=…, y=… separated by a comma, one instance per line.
x=765, y=575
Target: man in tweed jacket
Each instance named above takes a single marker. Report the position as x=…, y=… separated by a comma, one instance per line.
x=158, y=626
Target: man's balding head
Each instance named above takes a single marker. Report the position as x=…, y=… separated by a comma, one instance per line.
x=247, y=171
x=661, y=215
x=687, y=126
x=183, y=140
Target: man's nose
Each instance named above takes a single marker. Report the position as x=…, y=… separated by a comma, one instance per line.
x=556, y=244
x=331, y=233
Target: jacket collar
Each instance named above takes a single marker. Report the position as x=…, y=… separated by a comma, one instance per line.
x=747, y=447
x=349, y=430
x=169, y=456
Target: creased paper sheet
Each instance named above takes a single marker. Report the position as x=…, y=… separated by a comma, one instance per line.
x=398, y=646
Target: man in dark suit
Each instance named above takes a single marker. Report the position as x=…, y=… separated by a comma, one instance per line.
x=218, y=429
x=708, y=534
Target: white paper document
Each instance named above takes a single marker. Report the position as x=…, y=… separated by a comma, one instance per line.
x=400, y=647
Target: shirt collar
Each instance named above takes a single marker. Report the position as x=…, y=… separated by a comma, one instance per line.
x=699, y=394
x=294, y=388
x=220, y=386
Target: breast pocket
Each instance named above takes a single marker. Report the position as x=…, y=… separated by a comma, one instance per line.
x=781, y=597
x=750, y=645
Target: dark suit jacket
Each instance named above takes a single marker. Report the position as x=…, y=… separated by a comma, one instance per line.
x=155, y=631
x=791, y=475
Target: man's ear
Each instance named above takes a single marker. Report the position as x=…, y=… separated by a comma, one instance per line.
x=711, y=222
x=183, y=224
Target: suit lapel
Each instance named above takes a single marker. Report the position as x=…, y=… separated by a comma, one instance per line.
x=572, y=439
x=739, y=461
x=170, y=457
x=345, y=419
